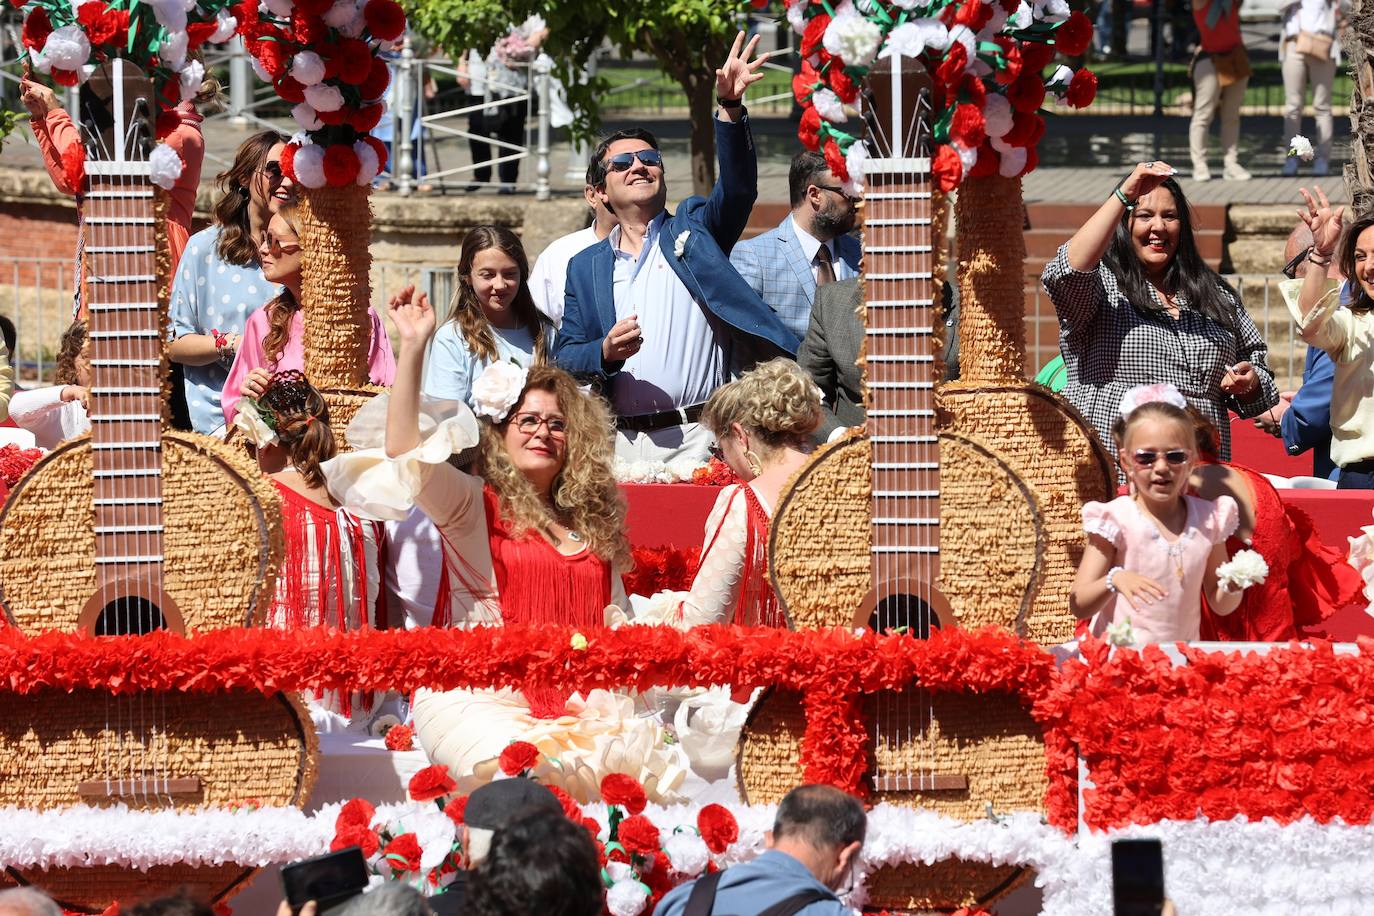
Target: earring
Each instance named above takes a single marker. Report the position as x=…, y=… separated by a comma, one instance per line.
x=755, y=466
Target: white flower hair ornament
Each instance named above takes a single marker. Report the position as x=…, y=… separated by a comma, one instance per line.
x=497, y=390
x=1141, y=395
x=1243, y=570
x=257, y=424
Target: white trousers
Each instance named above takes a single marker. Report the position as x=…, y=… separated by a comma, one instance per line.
x=1299, y=72
x=1209, y=100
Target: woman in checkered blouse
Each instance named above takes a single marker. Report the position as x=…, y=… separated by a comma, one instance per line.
x=1138, y=305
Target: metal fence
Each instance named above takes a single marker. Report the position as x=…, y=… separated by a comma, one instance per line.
x=36, y=294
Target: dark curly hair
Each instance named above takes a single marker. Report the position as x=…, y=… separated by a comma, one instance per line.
x=539, y=863
x=302, y=419
x=73, y=339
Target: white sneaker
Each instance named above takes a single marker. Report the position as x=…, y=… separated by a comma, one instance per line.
x=1321, y=167
x=1201, y=173
x=1290, y=166
x=1233, y=172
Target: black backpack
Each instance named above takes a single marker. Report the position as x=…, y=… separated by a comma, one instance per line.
x=703, y=898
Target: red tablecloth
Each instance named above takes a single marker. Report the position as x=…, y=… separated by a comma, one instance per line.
x=668, y=514
x=1257, y=449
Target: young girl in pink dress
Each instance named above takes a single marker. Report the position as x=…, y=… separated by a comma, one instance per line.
x=1152, y=553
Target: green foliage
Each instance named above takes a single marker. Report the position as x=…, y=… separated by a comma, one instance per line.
x=9, y=120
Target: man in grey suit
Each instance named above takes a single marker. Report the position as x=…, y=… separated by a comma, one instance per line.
x=830, y=351
x=808, y=249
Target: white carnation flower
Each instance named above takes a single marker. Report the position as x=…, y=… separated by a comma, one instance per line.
x=1301, y=147
x=997, y=115
x=307, y=68
x=662, y=609
x=851, y=37
x=279, y=8
x=856, y=164
x=626, y=898
x=967, y=157
x=1120, y=633
x=172, y=52
x=252, y=426
x=259, y=70
x=190, y=78
x=829, y=106
x=323, y=97
x=164, y=166
x=340, y=14
x=796, y=15
x=688, y=853
x=368, y=164
x=170, y=14
x=911, y=38
x=308, y=164
x=681, y=469
x=306, y=117
x=435, y=832
x=680, y=243
x=1011, y=161
x=497, y=390
x=225, y=24
x=67, y=48
x=1059, y=80
x=1243, y=570
x=1023, y=17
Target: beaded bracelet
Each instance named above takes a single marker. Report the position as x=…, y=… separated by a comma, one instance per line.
x=1125, y=201
x=1111, y=575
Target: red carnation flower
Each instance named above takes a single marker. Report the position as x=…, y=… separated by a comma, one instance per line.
x=18, y=4
x=571, y=809
x=380, y=149
x=638, y=835
x=290, y=90
x=1025, y=129
x=1082, y=89
x=273, y=57
x=378, y=78
x=400, y=738
x=952, y=70
x=37, y=28
x=987, y=162
x=403, y=853
x=1035, y=56
x=1011, y=56
x=167, y=121
x=89, y=17
x=518, y=757
x=971, y=88
x=313, y=7
x=804, y=82
x=974, y=14
x=718, y=827
x=364, y=119
x=619, y=789
x=308, y=30
x=365, y=838
x=947, y=168
x=815, y=32
x=385, y=19
x=288, y=161
x=835, y=160
x=334, y=118
x=592, y=826
x=1073, y=35
x=15, y=461
x=809, y=131
x=1027, y=93
x=968, y=127
x=198, y=32
x=432, y=782
x=116, y=22
x=356, y=811
x=355, y=61
x=65, y=77
x=456, y=809
x=843, y=85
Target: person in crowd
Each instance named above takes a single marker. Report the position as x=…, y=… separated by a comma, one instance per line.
x=506, y=75
x=1309, y=52
x=219, y=282
x=178, y=904
x=1343, y=331
x=494, y=317
x=655, y=314
x=59, y=411
x=1220, y=72
x=830, y=351
x=1302, y=418
x=392, y=898
x=550, y=273
x=178, y=127
x=813, y=850
x=27, y=901
x=1151, y=554
x=810, y=248
x=539, y=862
x=274, y=336
x=1137, y=305
x=538, y=539
x=764, y=424
x=1307, y=581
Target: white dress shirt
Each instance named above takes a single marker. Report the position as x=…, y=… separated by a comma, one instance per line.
x=549, y=276
x=810, y=245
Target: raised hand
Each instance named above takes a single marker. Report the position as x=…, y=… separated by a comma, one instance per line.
x=412, y=315
x=1324, y=222
x=1145, y=177
x=738, y=72
x=37, y=98
x=1240, y=379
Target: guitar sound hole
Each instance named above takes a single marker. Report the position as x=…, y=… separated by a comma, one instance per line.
x=909, y=614
x=130, y=615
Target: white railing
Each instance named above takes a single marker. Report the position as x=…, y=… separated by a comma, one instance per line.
x=36, y=294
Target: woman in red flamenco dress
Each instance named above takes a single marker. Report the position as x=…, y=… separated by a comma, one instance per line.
x=1307, y=582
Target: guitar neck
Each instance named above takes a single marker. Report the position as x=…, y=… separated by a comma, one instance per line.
x=902, y=366
x=126, y=328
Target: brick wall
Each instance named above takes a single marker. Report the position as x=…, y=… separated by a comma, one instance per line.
x=29, y=230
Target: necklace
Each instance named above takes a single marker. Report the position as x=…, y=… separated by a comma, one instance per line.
x=1176, y=554
x=574, y=536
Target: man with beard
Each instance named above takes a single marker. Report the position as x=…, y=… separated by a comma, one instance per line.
x=808, y=249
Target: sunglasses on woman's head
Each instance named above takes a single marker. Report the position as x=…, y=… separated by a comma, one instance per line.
x=621, y=162
x=1146, y=458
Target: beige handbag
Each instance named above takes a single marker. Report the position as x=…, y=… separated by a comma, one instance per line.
x=1315, y=44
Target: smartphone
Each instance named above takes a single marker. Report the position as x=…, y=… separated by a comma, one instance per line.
x=328, y=880
x=1137, y=877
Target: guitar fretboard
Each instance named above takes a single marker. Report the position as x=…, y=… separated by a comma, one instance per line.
x=126, y=350
x=902, y=364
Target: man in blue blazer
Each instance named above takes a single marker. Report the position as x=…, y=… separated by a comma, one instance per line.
x=654, y=314
x=808, y=248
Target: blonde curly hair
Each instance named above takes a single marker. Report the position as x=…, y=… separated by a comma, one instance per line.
x=585, y=496
x=776, y=401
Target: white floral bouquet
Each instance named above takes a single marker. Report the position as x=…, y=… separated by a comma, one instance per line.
x=258, y=425
x=1243, y=570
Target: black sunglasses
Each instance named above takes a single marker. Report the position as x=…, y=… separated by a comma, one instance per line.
x=621, y=162
x=272, y=170
x=716, y=453
x=1290, y=270
x=840, y=191
x=1146, y=458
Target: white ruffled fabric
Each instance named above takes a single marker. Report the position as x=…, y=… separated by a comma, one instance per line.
x=1362, y=558
x=466, y=730
x=374, y=485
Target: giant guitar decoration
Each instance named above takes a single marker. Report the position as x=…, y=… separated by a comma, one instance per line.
x=130, y=529
x=888, y=528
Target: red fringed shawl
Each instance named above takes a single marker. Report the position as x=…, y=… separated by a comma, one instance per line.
x=757, y=605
